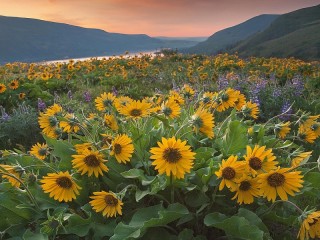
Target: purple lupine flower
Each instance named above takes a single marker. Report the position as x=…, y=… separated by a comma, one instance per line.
x=276, y=92
x=285, y=109
x=87, y=96
x=223, y=82
x=69, y=94
x=4, y=116
x=114, y=91
x=41, y=105
x=56, y=97
x=298, y=85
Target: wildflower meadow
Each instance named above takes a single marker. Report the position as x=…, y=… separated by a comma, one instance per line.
x=160, y=147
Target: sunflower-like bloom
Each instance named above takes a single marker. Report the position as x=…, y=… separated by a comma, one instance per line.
x=111, y=122
x=71, y=124
x=247, y=188
x=11, y=170
x=300, y=158
x=170, y=109
x=40, y=151
x=55, y=109
x=175, y=96
x=310, y=227
x=206, y=99
x=173, y=157
x=104, y=101
x=230, y=170
x=48, y=121
x=282, y=129
x=203, y=121
x=306, y=134
x=281, y=182
x=3, y=88
x=61, y=186
x=82, y=147
x=22, y=95
x=122, y=148
x=259, y=160
x=89, y=161
x=107, y=203
x=121, y=101
x=226, y=99
x=136, y=109
x=250, y=110
x=188, y=92
x=241, y=101
x=14, y=84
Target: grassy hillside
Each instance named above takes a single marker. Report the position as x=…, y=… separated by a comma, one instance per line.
x=295, y=34
x=230, y=36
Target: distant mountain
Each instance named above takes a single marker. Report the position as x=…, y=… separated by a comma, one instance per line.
x=32, y=40
x=295, y=34
x=228, y=37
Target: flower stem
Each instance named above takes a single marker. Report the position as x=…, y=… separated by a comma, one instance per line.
x=172, y=188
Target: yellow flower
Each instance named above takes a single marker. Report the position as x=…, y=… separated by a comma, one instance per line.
x=40, y=151
x=203, y=121
x=22, y=95
x=61, y=186
x=107, y=203
x=170, y=109
x=111, y=122
x=246, y=189
x=188, y=91
x=121, y=101
x=259, y=160
x=279, y=182
x=136, y=109
x=104, y=101
x=226, y=99
x=3, y=88
x=172, y=157
x=206, y=99
x=282, y=129
x=306, y=134
x=88, y=161
x=11, y=170
x=71, y=124
x=250, y=109
x=300, y=158
x=241, y=101
x=176, y=97
x=230, y=170
x=14, y=84
x=122, y=148
x=310, y=227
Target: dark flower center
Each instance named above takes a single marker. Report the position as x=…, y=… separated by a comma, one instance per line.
x=117, y=148
x=52, y=121
x=135, y=112
x=206, y=99
x=42, y=151
x=64, y=182
x=255, y=163
x=245, y=186
x=276, y=179
x=228, y=173
x=172, y=155
x=198, y=122
x=225, y=97
x=111, y=201
x=91, y=161
x=107, y=102
x=167, y=111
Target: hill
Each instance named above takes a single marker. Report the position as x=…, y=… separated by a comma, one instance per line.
x=223, y=39
x=30, y=40
x=295, y=34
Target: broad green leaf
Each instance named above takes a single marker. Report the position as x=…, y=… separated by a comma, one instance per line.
x=196, y=198
x=253, y=219
x=28, y=235
x=139, y=173
x=148, y=217
x=313, y=178
x=78, y=225
x=63, y=150
x=214, y=218
x=235, y=138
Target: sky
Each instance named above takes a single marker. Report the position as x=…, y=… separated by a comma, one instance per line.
x=171, y=18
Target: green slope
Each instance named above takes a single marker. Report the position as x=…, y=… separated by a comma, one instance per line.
x=230, y=36
x=295, y=34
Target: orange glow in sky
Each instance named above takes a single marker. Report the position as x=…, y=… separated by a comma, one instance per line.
x=174, y=18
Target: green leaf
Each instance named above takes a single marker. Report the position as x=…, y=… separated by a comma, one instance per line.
x=313, y=178
x=62, y=150
x=235, y=138
x=214, y=218
x=28, y=235
x=139, y=173
x=253, y=219
x=145, y=218
x=78, y=225
x=196, y=198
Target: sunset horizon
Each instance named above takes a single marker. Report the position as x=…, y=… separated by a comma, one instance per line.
x=182, y=18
